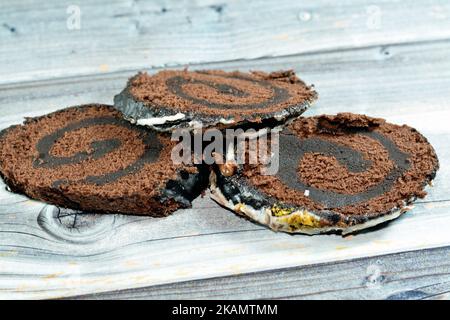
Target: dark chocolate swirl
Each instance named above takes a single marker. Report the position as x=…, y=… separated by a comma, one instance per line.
x=175, y=85
x=100, y=149
x=293, y=149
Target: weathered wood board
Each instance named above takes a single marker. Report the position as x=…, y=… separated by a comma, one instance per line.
x=46, y=253
x=41, y=40
x=421, y=274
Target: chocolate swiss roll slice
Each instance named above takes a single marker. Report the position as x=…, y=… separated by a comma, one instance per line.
x=88, y=158
x=335, y=173
x=185, y=99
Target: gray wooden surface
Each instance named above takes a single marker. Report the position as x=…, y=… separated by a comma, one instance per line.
x=383, y=58
x=410, y=275
x=119, y=35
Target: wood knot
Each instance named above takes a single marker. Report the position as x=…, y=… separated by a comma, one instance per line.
x=74, y=226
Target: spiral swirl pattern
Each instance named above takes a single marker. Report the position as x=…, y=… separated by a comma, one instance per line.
x=293, y=149
x=100, y=150
x=221, y=87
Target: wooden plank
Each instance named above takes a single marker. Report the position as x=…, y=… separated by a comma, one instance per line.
x=39, y=40
x=411, y=275
x=137, y=252
x=407, y=80
x=46, y=257
x=43, y=254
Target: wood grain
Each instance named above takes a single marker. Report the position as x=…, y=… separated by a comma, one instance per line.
x=118, y=35
x=406, y=276
x=48, y=256
x=50, y=253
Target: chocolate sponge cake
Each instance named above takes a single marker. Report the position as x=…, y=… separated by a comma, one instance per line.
x=184, y=99
x=336, y=173
x=89, y=158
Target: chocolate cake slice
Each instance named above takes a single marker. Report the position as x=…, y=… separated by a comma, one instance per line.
x=89, y=158
x=336, y=173
x=184, y=99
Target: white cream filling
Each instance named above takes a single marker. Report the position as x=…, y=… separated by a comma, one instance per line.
x=280, y=117
x=226, y=121
x=160, y=120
